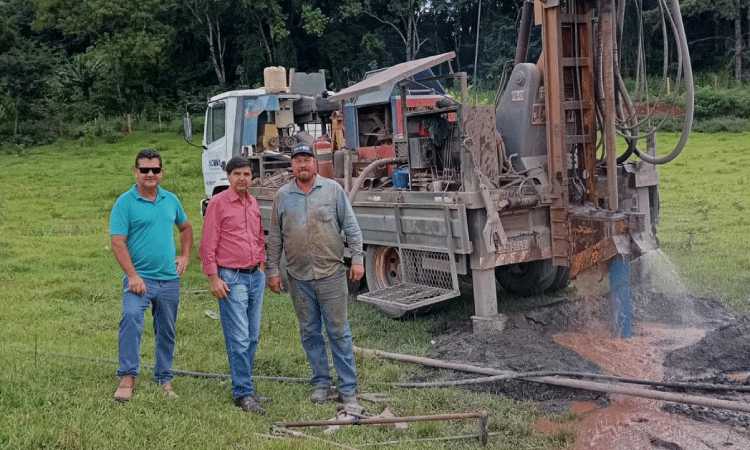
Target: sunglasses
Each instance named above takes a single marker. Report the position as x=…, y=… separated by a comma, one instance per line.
x=145, y=170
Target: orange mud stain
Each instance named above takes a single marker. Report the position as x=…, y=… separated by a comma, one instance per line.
x=549, y=428
x=634, y=423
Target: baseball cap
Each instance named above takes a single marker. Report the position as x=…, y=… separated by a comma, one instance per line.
x=302, y=148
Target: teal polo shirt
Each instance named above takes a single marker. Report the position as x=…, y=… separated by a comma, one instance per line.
x=149, y=227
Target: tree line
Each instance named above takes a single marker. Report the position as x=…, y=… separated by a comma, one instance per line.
x=64, y=62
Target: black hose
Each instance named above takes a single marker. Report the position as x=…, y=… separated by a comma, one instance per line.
x=524, y=375
x=489, y=379
x=181, y=372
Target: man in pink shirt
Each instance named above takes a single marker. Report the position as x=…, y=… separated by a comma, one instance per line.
x=233, y=256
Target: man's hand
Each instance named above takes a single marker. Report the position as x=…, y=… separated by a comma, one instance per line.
x=182, y=263
x=218, y=287
x=356, y=272
x=274, y=284
x=136, y=285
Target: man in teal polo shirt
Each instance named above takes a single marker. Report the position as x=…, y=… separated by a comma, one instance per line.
x=141, y=228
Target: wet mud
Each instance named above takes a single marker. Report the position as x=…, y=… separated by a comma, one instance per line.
x=677, y=337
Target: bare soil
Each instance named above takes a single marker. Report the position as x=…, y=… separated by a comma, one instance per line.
x=676, y=337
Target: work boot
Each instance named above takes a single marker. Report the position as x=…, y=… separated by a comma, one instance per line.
x=320, y=395
x=348, y=400
x=248, y=404
x=168, y=391
x=125, y=390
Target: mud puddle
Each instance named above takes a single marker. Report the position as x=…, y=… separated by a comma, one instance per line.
x=638, y=423
x=676, y=337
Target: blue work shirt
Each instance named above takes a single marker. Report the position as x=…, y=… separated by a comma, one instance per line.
x=149, y=228
x=312, y=229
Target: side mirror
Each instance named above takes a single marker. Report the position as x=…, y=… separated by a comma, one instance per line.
x=187, y=127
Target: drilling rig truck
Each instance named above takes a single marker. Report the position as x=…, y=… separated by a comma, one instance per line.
x=525, y=194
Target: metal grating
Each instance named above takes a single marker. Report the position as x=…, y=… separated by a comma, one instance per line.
x=426, y=268
x=407, y=296
x=427, y=279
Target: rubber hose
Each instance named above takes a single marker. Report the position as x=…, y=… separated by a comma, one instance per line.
x=182, y=372
x=504, y=375
x=365, y=173
x=567, y=382
x=522, y=375
x=689, y=91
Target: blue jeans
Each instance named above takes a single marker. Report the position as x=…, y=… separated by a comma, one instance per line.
x=240, y=320
x=164, y=297
x=324, y=301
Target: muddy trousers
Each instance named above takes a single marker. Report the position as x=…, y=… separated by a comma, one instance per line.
x=324, y=302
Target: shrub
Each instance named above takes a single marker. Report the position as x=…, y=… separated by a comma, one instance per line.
x=722, y=124
x=713, y=103
x=106, y=130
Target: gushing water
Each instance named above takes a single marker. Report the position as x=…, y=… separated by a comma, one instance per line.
x=659, y=293
x=654, y=271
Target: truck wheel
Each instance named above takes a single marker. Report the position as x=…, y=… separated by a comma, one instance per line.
x=382, y=271
x=382, y=267
x=562, y=279
x=528, y=278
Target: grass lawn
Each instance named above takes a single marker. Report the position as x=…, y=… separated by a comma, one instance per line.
x=60, y=289
x=705, y=228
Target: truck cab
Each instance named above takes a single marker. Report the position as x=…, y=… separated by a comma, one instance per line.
x=262, y=124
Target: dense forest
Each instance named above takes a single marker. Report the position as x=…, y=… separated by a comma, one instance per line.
x=67, y=63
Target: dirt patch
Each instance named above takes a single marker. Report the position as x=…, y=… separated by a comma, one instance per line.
x=526, y=345
x=659, y=110
x=676, y=337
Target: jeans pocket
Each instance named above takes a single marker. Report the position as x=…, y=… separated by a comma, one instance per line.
x=229, y=276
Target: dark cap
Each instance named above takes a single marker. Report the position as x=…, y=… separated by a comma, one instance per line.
x=302, y=148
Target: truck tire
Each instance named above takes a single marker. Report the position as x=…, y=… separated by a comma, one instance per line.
x=527, y=278
x=381, y=271
x=561, y=281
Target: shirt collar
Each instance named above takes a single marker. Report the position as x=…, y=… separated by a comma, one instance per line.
x=234, y=197
x=316, y=183
x=159, y=193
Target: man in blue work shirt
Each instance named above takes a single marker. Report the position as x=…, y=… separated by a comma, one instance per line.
x=141, y=229
x=308, y=217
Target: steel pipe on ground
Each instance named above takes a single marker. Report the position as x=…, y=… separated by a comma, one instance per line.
x=565, y=382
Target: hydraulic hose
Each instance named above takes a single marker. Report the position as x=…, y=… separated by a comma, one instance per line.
x=182, y=372
x=566, y=382
x=365, y=173
x=537, y=376
x=524, y=31
x=523, y=375
x=499, y=375
x=674, y=9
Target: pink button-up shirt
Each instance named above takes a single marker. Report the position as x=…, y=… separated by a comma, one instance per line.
x=232, y=234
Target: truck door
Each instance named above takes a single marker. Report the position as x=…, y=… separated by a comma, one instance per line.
x=214, y=144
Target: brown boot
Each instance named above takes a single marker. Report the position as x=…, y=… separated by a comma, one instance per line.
x=167, y=389
x=125, y=390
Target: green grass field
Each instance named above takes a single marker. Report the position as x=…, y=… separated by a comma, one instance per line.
x=60, y=290
x=704, y=228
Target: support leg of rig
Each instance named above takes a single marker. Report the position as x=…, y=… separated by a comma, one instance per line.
x=485, y=315
x=619, y=282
